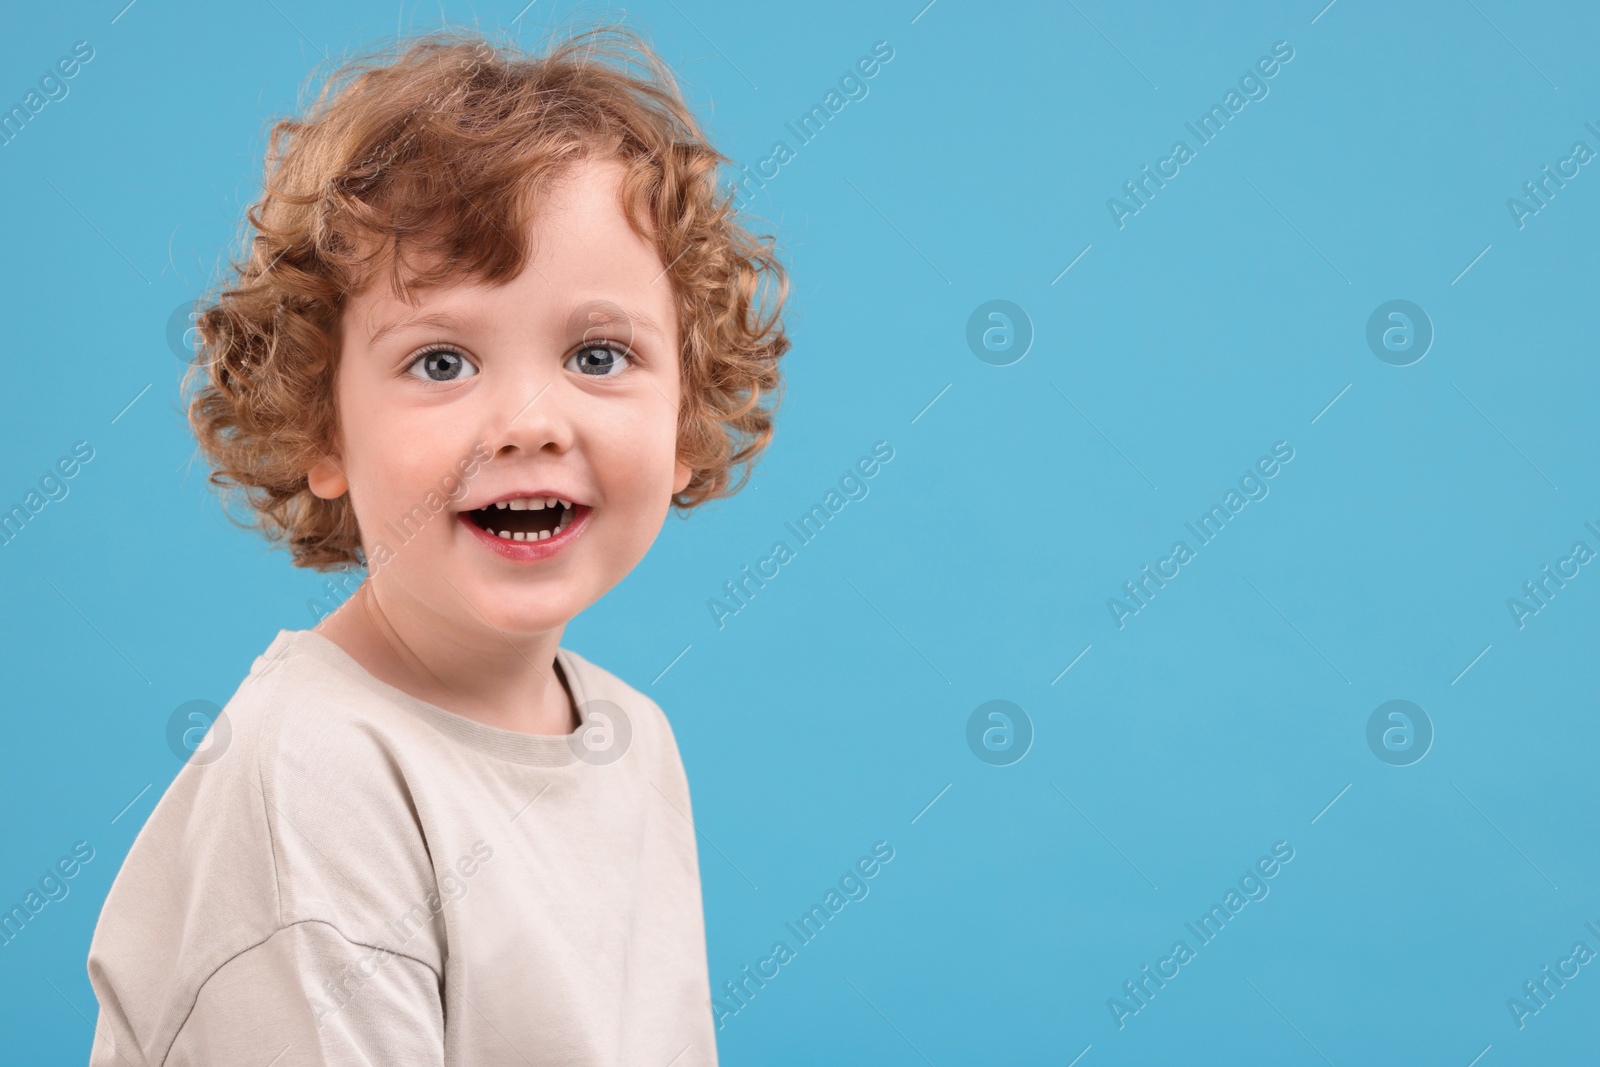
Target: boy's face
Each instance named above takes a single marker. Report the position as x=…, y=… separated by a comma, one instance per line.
x=564, y=382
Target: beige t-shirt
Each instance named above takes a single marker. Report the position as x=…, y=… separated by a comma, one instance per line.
x=344, y=874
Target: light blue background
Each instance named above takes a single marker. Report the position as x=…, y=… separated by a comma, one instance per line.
x=828, y=713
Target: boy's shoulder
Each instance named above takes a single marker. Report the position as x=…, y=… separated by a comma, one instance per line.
x=323, y=734
x=302, y=671
x=321, y=798
x=302, y=753
x=315, y=772
x=282, y=818
x=306, y=699
x=600, y=693
x=595, y=682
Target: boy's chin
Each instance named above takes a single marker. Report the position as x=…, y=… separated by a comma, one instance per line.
x=467, y=603
x=515, y=616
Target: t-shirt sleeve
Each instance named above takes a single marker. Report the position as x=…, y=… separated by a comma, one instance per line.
x=308, y=997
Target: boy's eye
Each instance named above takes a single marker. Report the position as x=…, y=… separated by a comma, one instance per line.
x=442, y=365
x=600, y=360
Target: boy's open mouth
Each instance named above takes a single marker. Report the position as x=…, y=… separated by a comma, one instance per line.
x=525, y=518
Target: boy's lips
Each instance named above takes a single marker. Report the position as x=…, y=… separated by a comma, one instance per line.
x=545, y=493
x=525, y=514
x=543, y=532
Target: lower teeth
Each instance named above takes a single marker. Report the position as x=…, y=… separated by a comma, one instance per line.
x=541, y=535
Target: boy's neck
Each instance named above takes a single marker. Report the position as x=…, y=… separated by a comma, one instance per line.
x=498, y=682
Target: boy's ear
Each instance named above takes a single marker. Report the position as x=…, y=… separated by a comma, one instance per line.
x=326, y=478
x=682, y=473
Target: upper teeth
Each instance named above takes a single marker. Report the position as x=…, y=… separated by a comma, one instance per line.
x=532, y=503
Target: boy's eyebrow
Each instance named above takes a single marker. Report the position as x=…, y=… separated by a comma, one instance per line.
x=603, y=313
x=442, y=319
x=591, y=314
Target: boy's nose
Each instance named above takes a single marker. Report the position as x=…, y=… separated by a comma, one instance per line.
x=530, y=420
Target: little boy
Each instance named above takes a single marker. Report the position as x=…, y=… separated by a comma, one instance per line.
x=495, y=320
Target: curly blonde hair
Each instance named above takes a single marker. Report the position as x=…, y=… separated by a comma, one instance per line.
x=443, y=143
